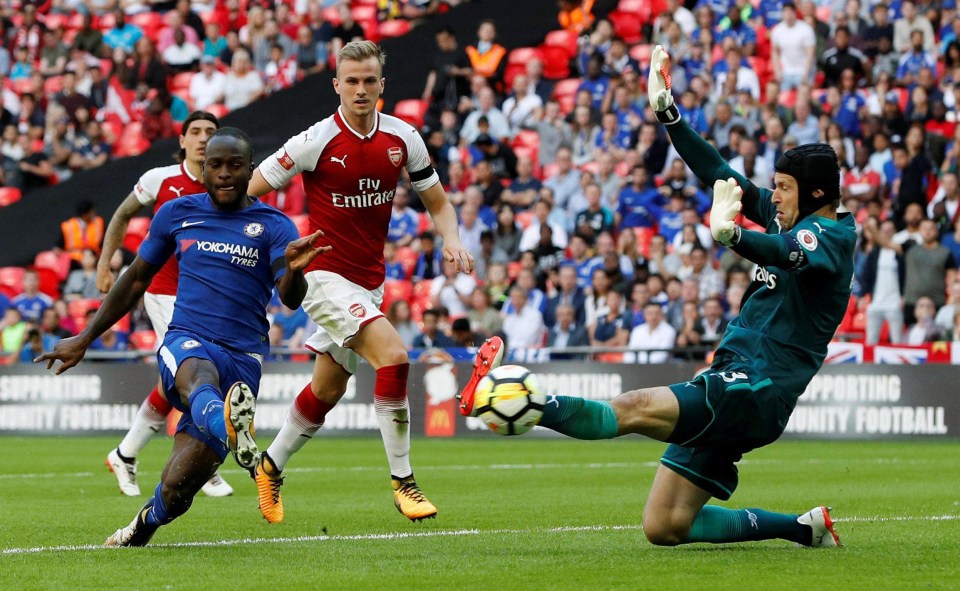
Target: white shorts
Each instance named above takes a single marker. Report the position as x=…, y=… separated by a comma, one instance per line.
x=340, y=308
x=159, y=311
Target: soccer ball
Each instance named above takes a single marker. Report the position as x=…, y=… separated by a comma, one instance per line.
x=509, y=400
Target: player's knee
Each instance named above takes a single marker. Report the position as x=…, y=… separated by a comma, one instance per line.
x=633, y=407
x=661, y=531
x=394, y=355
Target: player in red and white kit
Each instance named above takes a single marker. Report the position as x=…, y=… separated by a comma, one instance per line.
x=351, y=163
x=156, y=187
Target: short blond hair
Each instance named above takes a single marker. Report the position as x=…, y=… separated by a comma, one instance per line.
x=358, y=51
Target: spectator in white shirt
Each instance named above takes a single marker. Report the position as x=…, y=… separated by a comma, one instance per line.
x=470, y=227
x=541, y=215
x=243, y=85
x=486, y=107
x=653, y=334
x=793, y=43
x=181, y=55
x=520, y=107
x=452, y=290
x=523, y=325
x=207, y=86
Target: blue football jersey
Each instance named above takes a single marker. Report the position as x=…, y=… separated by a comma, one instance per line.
x=229, y=264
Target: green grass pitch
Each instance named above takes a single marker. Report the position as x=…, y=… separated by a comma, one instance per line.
x=514, y=514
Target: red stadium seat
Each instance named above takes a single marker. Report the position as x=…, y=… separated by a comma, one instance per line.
x=136, y=231
x=143, y=340
x=331, y=14
x=632, y=5
x=394, y=291
x=11, y=280
x=394, y=28
x=105, y=22
x=526, y=138
x=521, y=55
x=53, y=85
x=626, y=25
x=49, y=282
x=151, y=23
x=556, y=62
x=364, y=12
x=179, y=81
x=524, y=218
x=565, y=39
x=302, y=222
x=411, y=111
x=408, y=258
x=218, y=110
x=513, y=269
x=426, y=223
x=131, y=141
x=55, y=21
x=566, y=92
x=9, y=196
x=58, y=262
x=642, y=53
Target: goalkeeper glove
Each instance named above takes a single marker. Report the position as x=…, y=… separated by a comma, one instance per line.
x=658, y=87
x=726, y=208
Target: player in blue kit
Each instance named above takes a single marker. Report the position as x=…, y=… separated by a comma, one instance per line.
x=766, y=358
x=232, y=250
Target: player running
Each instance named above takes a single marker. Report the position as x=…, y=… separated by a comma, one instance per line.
x=232, y=250
x=156, y=187
x=766, y=358
x=351, y=162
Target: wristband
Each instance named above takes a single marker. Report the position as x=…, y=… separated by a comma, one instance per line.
x=668, y=116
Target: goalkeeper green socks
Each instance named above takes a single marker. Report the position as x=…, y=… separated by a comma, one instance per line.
x=717, y=525
x=579, y=418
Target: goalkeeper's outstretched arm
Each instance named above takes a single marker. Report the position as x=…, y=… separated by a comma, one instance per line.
x=702, y=158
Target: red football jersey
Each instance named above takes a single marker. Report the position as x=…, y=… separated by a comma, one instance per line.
x=156, y=187
x=350, y=180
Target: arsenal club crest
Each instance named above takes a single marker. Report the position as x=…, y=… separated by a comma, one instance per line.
x=357, y=310
x=396, y=155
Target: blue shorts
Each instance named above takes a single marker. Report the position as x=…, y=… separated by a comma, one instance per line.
x=232, y=367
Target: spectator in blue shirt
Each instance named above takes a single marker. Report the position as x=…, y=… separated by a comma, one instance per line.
x=404, y=221
x=123, y=35
x=739, y=31
x=633, y=210
x=392, y=266
x=31, y=303
x=430, y=262
x=911, y=63
x=595, y=82
x=294, y=325
x=852, y=106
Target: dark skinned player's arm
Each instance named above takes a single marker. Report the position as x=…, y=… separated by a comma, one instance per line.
x=292, y=288
x=124, y=295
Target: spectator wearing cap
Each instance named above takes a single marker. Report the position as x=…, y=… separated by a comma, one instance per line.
x=500, y=157
x=207, y=86
x=793, y=44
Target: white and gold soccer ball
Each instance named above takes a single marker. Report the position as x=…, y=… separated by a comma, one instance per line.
x=509, y=400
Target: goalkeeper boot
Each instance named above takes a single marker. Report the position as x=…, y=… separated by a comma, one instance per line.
x=268, y=489
x=238, y=409
x=489, y=356
x=138, y=533
x=126, y=473
x=824, y=536
x=410, y=500
x=217, y=487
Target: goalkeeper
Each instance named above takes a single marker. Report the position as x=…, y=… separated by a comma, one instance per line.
x=767, y=355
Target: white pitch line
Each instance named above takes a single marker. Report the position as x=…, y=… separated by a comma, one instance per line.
x=470, y=467
x=426, y=534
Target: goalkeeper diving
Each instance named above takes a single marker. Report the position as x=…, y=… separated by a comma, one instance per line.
x=768, y=354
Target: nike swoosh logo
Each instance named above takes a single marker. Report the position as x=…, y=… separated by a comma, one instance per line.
x=188, y=224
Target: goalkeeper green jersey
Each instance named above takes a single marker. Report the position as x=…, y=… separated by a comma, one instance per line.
x=788, y=315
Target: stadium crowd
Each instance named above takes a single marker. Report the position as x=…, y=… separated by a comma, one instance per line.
x=587, y=228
